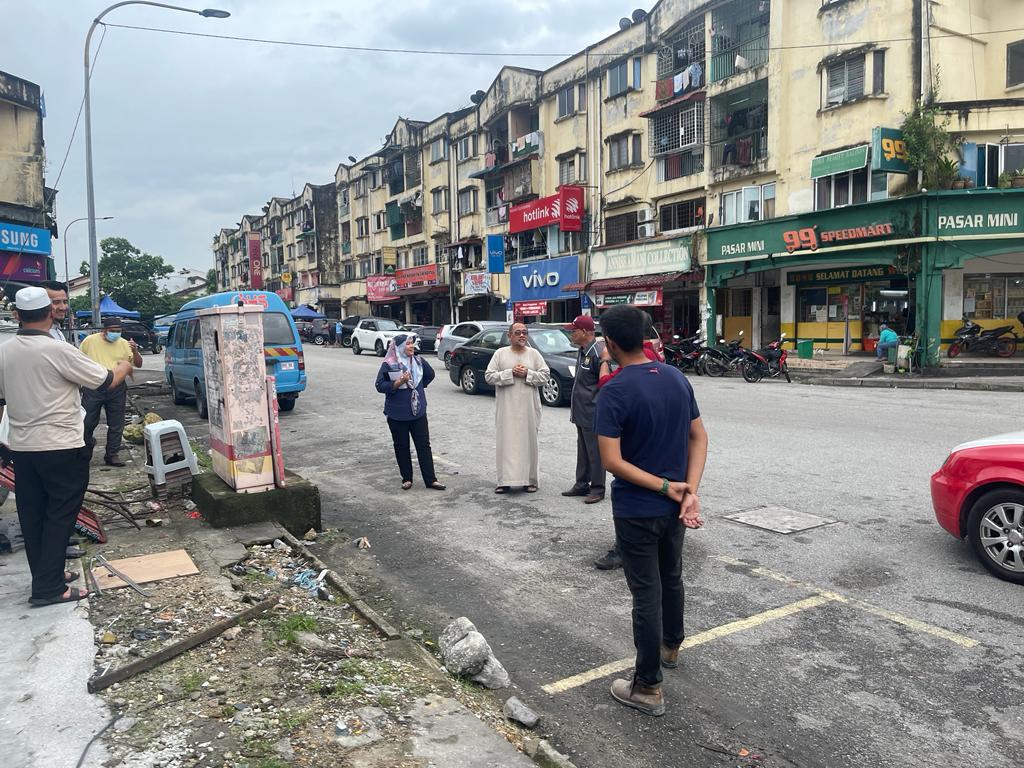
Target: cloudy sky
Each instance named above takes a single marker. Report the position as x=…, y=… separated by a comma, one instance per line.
x=190, y=133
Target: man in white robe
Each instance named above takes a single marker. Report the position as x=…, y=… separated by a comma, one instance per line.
x=517, y=372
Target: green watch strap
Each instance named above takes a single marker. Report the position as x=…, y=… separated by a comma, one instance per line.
x=664, y=487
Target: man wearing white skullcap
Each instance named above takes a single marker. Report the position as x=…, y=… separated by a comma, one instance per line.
x=40, y=379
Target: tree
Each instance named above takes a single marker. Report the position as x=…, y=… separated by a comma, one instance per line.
x=130, y=277
x=211, y=281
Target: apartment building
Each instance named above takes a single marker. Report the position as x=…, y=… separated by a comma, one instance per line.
x=26, y=204
x=681, y=163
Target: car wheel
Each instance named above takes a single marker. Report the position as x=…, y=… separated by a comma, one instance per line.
x=176, y=396
x=995, y=528
x=356, y=349
x=448, y=360
x=319, y=340
x=346, y=341
x=201, y=407
x=551, y=392
x=286, y=403
x=468, y=380
x=379, y=348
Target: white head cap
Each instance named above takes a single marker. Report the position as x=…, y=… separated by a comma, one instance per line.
x=32, y=298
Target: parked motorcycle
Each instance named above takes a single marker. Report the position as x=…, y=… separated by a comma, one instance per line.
x=723, y=358
x=971, y=337
x=685, y=353
x=769, y=362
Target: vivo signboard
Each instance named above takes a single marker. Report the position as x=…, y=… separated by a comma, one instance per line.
x=18, y=239
x=543, y=280
x=564, y=209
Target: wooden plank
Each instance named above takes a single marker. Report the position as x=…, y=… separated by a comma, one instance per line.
x=147, y=568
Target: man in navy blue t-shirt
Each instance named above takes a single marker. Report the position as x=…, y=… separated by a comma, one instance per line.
x=653, y=441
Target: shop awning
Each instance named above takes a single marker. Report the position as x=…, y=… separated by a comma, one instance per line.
x=691, y=96
x=489, y=295
x=851, y=159
x=638, y=282
x=467, y=241
x=422, y=290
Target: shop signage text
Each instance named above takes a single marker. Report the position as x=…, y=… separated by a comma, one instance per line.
x=255, y=262
x=845, y=275
x=839, y=162
x=530, y=308
x=979, y=221
x=28, y=266
x=414, y=277
x=495, y=254
x=808, y=238
x=641, y=259
x=564, y=209
x=889, y=151
x=637, y=299
x=476, y=283
x=381, y=288
x=544, y=279
x=19, y=239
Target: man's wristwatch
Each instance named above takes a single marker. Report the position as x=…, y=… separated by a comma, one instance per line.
x=664, y=487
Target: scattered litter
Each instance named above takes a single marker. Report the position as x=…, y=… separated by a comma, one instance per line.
x=309, y=535
x=280, y=545
x=152, y=418
x=189, y=505
x=231, y=633
x=362, y=542
x=239, y=570
x=154, y=522
x=193, y=515
x=108, y=638
x=142, y=634
x=156, y=506
x=324, y=594
x=743, y=752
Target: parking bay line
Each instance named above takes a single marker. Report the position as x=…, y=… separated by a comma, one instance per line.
x=724, y=630
x=885, y=613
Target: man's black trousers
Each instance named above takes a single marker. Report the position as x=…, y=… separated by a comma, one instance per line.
x=49, y=487
x=112, y=400
x=652, y=557
x=420, y=432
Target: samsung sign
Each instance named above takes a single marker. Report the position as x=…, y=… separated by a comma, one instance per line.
x=543, y=280
x=18, y=239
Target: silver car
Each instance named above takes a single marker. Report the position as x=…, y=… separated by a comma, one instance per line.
x=452, y=336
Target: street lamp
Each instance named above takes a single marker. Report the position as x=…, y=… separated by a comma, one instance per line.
x=83, y=218
x=94, y=272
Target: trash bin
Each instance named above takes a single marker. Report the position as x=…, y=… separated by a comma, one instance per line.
x=805, y=349
x=891, y=355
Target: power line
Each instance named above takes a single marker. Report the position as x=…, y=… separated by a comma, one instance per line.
x=514, y=54
x=78, y=117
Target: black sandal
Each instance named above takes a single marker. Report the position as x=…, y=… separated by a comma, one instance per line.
x=73, y=596
x=70, y=577
x=530, y=488
x=406, y=485
x=436, y=486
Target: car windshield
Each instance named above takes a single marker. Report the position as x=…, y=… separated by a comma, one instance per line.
x=551, y=340
x=276, y=329
x=388, y=325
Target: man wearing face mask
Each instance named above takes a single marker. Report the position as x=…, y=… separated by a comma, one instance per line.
x=108, y=348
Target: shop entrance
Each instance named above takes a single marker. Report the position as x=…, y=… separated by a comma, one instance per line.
x=849, y=317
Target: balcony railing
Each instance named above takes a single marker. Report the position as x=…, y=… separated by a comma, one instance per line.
x=739, y=58
x=346, y=247
x=497, y=215
x=683, y=164
x=343, y=209
x=740, y=151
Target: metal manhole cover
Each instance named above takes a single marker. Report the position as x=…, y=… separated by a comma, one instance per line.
x=779, y=519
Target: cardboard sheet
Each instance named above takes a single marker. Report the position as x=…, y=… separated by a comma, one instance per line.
x=147, y=568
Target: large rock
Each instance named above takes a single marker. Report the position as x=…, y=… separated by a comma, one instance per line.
x=454, y=632
x=514, y=709
x=493, y=675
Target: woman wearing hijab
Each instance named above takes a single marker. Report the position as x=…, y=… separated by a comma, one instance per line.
x=402, y=378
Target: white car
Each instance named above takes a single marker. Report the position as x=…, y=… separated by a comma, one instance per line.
x=374, y=333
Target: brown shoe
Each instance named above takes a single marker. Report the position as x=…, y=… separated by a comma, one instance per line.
x=647, y=700
x=669, y=657
x=594, y=498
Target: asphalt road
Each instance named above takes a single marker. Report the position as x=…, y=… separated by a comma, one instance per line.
x=873, y=641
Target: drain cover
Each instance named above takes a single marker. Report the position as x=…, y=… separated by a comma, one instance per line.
x=778, y=519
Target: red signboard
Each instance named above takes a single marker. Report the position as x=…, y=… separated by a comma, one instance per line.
x=564, y=209
x=530, y=308
x=381, y=288
x=284, y=293
x=255, y=262
x=414, y=277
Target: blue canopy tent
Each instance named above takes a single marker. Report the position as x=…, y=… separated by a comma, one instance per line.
x=109, y=308
x=306, y=313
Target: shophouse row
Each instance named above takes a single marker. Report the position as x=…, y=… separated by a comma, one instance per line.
x=728, y=166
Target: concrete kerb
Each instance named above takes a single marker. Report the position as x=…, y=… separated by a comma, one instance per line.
x=540, y=751
x=914, y=383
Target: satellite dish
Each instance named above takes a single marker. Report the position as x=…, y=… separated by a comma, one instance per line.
x=639, y=15
x=477, y=97
x=351, y=159
x=625, y=23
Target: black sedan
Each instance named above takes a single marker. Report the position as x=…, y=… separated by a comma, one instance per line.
x=470, y=361
x=427, y=335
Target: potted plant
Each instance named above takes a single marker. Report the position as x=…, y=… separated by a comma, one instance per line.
x=947, y=173
x=968, y=182
x=1017, y=182
x=1004, y=180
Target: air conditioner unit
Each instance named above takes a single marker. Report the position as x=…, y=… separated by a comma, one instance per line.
x=646, y=230
x=645, y=215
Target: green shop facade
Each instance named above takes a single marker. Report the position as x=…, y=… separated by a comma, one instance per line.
x=918, y=263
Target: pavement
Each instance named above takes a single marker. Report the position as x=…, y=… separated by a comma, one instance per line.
x=872, y=639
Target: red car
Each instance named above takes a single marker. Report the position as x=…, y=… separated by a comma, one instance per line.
x=978, y=494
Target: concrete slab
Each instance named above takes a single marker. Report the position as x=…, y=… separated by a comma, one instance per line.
x=46, y=654
x=448, y=734
x=779, y=519
x=296, y=507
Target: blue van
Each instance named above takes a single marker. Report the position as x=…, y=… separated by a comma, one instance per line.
x=282, y=348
